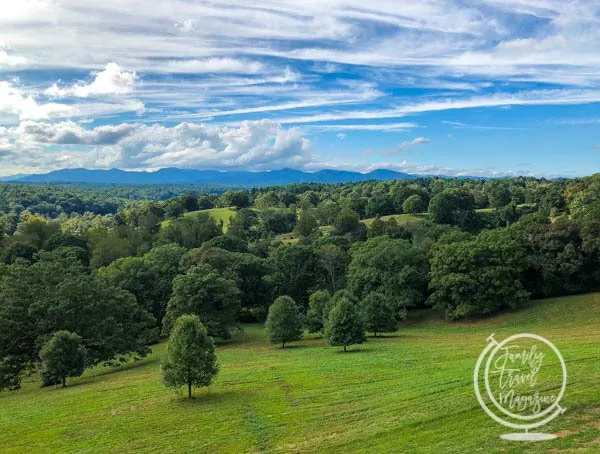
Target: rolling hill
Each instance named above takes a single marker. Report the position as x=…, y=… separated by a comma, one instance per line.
x=394, y=394
x=211, y=177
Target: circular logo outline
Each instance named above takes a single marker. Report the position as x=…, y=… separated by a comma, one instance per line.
x=493, y=344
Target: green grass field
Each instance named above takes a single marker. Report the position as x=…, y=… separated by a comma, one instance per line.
x=406, y=220
x=218, y=214
x=411, y=392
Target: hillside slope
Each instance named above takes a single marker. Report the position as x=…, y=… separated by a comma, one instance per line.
x=394, y=394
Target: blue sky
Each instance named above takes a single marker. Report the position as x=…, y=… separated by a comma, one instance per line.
x=455, y=87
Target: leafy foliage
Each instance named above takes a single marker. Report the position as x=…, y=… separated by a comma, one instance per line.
x=62, y=356
x=379, y=314
x=204, y=292
x=283, y=322
x=345, y=325
x=189, y=359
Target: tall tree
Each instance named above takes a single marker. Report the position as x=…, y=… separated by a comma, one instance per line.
x=204, y=292
x=334, y=259
x=379, y=314
x=345, y=325
x=283, y=322
x=189, y=359
x=479, y=276
x=317, y=303
x=454, y=207
x=395, y=268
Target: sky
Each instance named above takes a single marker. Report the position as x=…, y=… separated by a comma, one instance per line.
x=453, y=87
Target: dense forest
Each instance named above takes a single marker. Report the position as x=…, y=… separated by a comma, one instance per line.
x=118, y=265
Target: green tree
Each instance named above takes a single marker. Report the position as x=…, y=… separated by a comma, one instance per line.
x=345, y=325
x=148, y=278
x=347, y=222
x=413, y=204
x=189, y=359
x=395, y=268
x=62, y=356
x=379, y=314
x=238, y=199
x=191, y=231
x=307, y=224
x=499, y=195
x=283, y=322
x=479, y=276
x=204, y=292
x=453, y=207
x=335, y=260
x=317, y=303
x=294, y=271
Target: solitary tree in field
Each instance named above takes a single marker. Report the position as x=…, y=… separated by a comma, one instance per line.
x=345, y=324
x=283, y=322
x=379, y=314
x=62, y=356
x=189, y=358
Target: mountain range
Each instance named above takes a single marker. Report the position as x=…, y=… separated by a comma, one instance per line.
x=209, y=177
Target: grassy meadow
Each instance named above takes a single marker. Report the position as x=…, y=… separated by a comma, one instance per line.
x=218, y=214
x=407, y=392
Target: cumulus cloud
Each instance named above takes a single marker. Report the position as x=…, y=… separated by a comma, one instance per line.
x=252, y=145
x=411, y=143
x=112, y=80
x=24, y=106
x=14, y=102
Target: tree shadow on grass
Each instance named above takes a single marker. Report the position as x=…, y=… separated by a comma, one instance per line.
x=207, y=397
x=355, y=350
x=291, y=347
x=387, y=336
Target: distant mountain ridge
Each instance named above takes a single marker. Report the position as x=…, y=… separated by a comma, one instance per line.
x=211, y=177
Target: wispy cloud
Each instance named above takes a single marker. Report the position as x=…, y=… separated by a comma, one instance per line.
x=461, y=125
x=385, y=127
x=578, y=121
x=339, y=66
x=412, y=143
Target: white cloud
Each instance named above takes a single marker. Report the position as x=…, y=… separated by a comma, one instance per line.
x=252, y=145
x=411, y=143
x=213, y=65
x=578, y=121
x=461, y=125
x=112, y=80
x=387, y=127
x=16, y=103
x=7, y=60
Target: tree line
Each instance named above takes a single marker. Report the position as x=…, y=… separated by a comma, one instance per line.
x=112, y=285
